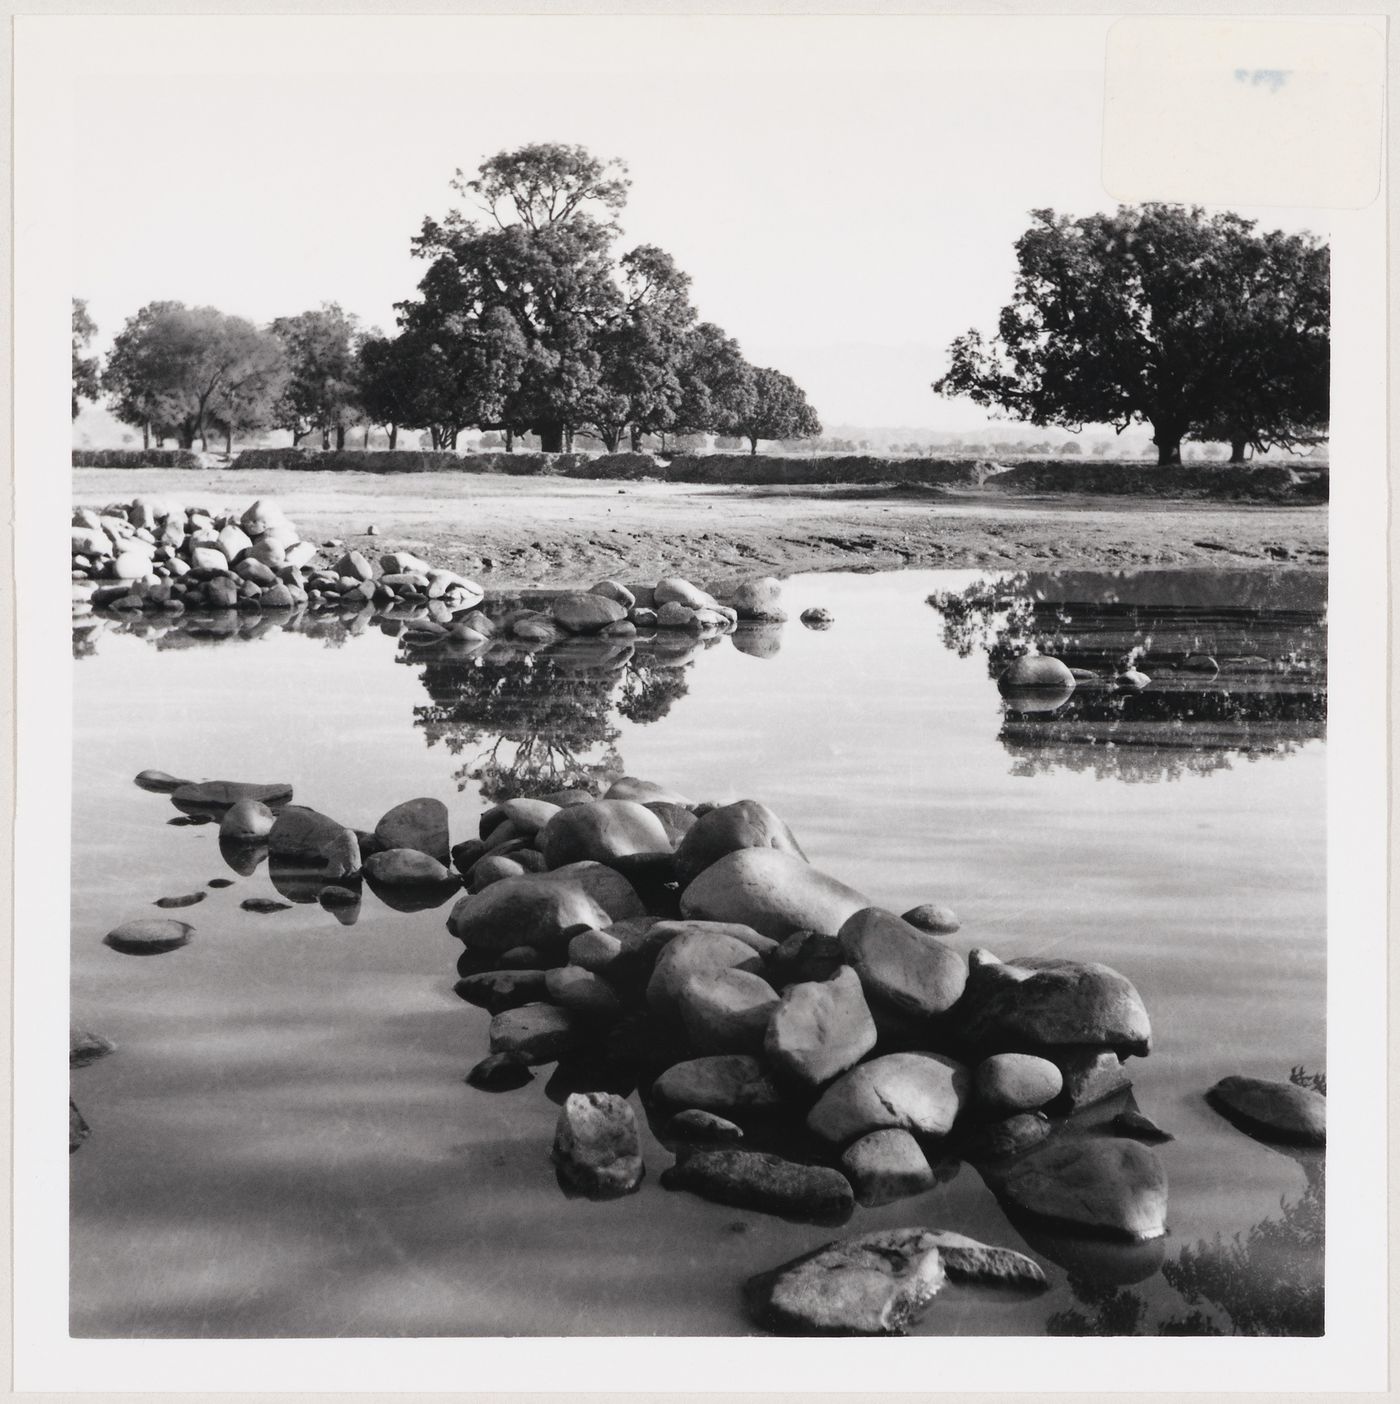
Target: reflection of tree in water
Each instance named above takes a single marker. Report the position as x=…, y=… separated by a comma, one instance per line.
x=1267, y=637
x=534, y=723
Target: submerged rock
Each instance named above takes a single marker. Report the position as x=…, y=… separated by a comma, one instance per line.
x=264, y=905
x=918, y=1092
x=1272, y=1111
x=500, y=1072
x=879, y=1284
x=85, y=1047
x=885, y=1166
x=189, y=899
x=149, y=936
x=771, y=891
x=768, y=1183
x=597, y=1150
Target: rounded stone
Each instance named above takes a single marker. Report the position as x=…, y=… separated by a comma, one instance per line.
x=759, y=599
x=698, y=950
x=725, y=1083
x=726, y=1011
x=500, y=1072
x=768, y=1183
x=573, y=987
x=1007, y=1083
x=818, y=618
x=902, y=966
x=417, y=823
x=820, y=1029
x=606, y=886
x=675, y=590
x=538, y=1033
x=406, y=867
x=936, y=920
x=1276, y=1111
x=149, y=936
x=918, y=1092
x=703, y=1128
x=885, y=1166
x=601, y=830
x=727, y=829
x=1036, y=670
x=771, y=891
x=531, y=910
x=586, y=613
x=629, y=787
x=597, y=1150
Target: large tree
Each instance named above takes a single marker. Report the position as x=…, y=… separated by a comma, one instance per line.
x=1152, y=314
x=86, y=383
x=174, y=369
x=777, y=410
x=320, y=394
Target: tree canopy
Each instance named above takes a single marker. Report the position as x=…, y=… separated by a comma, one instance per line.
x=86, y=384
x=320, y=391
x=1162, y=314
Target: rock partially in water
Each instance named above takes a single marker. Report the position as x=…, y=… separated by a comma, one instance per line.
x=612, y=590
x=85, y=1047
x=500, y=1072
x=601, y=831
x=820, y=1029
x=885, y=1166
x=918, y=1092
x=535, y=910
x=304, y=839
x=528, y=816
x=188, y=899
x=767, y=1183
x=1036, y=670
x=901, y=966
x=759, y=599
x=159, y=782
x=264, y=906
x=492, y=868
x=586, y=613
x=771, y=891
x=1272, y=1111
x=149, y=936
x=728, y=829
x=878, y=1284
x=597, y=1150
x=999, y=1140
x=1130, y=680
x=725, y=1084
x=1102, y=1185
x=342, y=902
x=419, y=824
x=407, y=867
x=1039, y=1003
x=246, y=821
x=675, y=590
x=1091, y=1076
x=1141, y=1128
x=936, y=920
x=1007, y=1083
x=499, y=990
x=980, y=1264
x=538, y=1033
x=698, y=1127
x=219, y=795
x=818, y=618
x=78, y=1129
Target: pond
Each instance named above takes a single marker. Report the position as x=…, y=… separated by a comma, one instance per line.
x=284, y=1145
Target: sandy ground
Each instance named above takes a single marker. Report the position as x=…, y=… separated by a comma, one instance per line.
x=518, y=531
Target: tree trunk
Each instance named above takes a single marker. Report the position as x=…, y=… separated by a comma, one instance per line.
x=510, y=440
x=185, y=438
x=435, y=437
x=339, y=437
x=393, y=437
x=636, y=439
x=610, y=438
x=325, y=439
x=569, y=439
x=753, y=445
x=228, y=440
x=1168, y=441
x=146, y=435
x=551, y=436
x=365, y=445
x=1237, y=449
x=452, y=440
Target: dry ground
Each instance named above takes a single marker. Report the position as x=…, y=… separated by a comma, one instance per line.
x=518, y=531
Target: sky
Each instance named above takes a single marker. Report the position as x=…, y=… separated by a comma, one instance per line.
x=844, y=193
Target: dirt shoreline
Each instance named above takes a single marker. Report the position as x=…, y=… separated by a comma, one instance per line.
x=509, y=532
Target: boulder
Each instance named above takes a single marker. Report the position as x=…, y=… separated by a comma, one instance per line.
x=936, y=920
x=820, y=1029
x=879, y=1284
x=500, y=1072
x=758, y=599
x=674, y=590
x=901, y=966
x=1102, y=1185
x=1090, y=1075
x=528, y=816
x=597, y=951
x=597, y=1150
x=606, y=886
x=805, y=956
x=130, y=565
x=149, y=936
x=678, y=616
x=534, y=910
x=219, y=795
x=1035, y=670
x=885, y=1166
x=265, y=515
x=587, y=994
x=601, y=831
x=302, y=838
x=1038, y=1003
x=538, y=1033
x=728, y=829
x=726, y=1011
x=585, y=614
x=493, y=868
x=697, y=949
x=233, y=541
x=1272, y=1111
x=85, y=1047
x=726, y=1083
x=611, y=590
x=818, y=617
x=628, y=787
x=767, y=1183
x=1007, y=1083
x=159, y=782
x=417, y=823
x=702, y=1128
x=998, y=1140
x=771, y=891
x=499, y=990
x=918, y=1092
x=407, y=867
x=353, y=566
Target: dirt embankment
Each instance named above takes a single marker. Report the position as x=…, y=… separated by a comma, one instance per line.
x=511, y=531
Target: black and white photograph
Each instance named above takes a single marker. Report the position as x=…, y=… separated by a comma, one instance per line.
x=715, y=692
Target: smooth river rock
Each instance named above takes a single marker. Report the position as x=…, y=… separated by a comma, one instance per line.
x=149, y=936
x=1099, y=1184
x=1272, y=1111
x=726, y=1011
x=586, y=613
x=731, y=827
x=538, y=1033
x=531, y=910
x=878, y=1284
x=600, y=831
x=597, y=1150
x=918, y=1092
x=247, y=821
x=771, y=891
x=1007, y=1083
x=219, y=795
x=606, y=886
x=305, y=839
x=1036, y=670
x=820, y=1029
x=768, y=1183
x=937, y=920
x=725, y=1084
x=885, y=1166
x=901, y=966
x=690, y=953
x=159, y=782
x=407, y=867
x=759, y=599
x=417, y=823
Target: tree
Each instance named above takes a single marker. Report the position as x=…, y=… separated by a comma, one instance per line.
x=717, y=384
x=1157, y=314
x=778, y=410
x=249, y=401
x=173, y=369
x=321, y=350
x=85, y=375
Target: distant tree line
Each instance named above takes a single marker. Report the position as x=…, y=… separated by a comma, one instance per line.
x=527, y=322
x=1164, y=315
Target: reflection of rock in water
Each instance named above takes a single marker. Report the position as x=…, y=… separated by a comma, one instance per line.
x=1238, y=663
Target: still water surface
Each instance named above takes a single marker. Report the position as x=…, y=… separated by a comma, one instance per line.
x=284, y=1145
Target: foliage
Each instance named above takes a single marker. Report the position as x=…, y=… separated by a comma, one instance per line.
x=134, y=458
x=1157, y=314
x=86, y=384
x=320, y=392
x=183, y=370
x=778, y=410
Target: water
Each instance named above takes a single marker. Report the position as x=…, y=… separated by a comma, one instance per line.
x=284, y=1146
